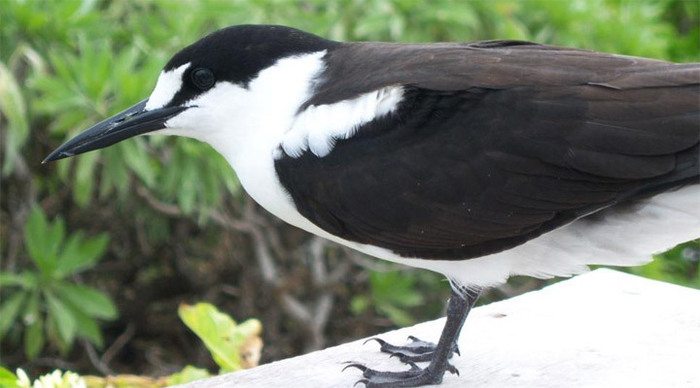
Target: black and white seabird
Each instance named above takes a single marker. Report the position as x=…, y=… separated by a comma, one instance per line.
x=475, y=160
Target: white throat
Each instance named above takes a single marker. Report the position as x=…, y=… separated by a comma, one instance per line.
x=254, y=121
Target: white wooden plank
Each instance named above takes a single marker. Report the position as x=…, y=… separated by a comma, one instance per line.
x=601, y=329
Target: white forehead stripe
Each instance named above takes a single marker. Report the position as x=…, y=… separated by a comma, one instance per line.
x=169, y=83
x=318, y=127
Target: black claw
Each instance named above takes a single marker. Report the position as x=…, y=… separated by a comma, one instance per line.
x=400, y=355
x=361, y=381
x=413, y=377
x=379, y=340
x=355, y=365
x=406, y=358
x=451, y=368
x=416, y=350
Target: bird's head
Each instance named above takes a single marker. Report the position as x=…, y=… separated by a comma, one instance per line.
x=215, y=88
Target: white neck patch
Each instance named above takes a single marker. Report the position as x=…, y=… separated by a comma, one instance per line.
x=315, y=129
x=319, y=126
x=169, y=82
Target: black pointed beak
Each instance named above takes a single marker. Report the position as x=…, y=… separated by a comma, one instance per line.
x=128, y=123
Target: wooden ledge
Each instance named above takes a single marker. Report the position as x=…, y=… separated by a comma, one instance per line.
x=600, y=329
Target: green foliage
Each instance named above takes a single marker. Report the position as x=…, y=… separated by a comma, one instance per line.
x=13, y=107
x=224, y=338
x=680, y=265
x=187, y=375
x=397, y=294
x=44, y=299
x=97, y=69
x=7, y=378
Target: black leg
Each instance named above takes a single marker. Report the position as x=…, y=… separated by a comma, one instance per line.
x=457, y=311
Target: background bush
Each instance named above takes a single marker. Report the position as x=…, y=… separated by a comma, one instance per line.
x=180, y=228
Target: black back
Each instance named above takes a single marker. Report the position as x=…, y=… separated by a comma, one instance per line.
x=494, y=144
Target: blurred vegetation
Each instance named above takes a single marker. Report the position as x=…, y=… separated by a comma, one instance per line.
x=233, y=347
x=179, y=227
x=45, y=298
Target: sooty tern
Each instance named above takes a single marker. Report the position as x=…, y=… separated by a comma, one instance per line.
x=475, y=160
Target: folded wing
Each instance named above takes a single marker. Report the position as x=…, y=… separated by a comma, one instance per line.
x=494, y=144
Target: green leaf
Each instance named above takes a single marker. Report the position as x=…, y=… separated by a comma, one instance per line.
x=88, y=300
x=52, y=335
x=79, y=255
x=187, y=193
x=84, y=179
x=9, y=310
x=188, y=374
x=396, y=315
x=139, y=162
x=14, y=109
x=214, y=329
x=70, y=256
x=26, y=280
x=54, y=238
x=35, y=232
x=34, y=332
x=7, y=378
x=87, y=327
x=94, y=247
x=359, y=304
x=219, y=332
x=34, y=339
x=43, y=240
x=62, y=317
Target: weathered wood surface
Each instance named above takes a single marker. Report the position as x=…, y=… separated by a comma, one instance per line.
x=601, y=329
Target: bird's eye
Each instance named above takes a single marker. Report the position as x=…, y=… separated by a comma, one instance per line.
x=203, y=78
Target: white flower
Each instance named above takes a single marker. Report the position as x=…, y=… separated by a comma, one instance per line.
x=55, y=379
x=74, y=380
x=22, y=379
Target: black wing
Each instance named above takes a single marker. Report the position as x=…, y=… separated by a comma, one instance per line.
x=495, y=144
